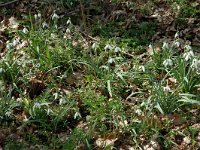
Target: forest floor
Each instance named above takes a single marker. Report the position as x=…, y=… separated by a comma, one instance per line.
x=86, y=74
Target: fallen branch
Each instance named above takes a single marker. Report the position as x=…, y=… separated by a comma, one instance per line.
x=8, y=3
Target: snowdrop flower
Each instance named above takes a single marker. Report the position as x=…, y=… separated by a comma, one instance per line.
x=104, y=67
x=55, y=16
x=16, y=42
x=187, y=140
x=165, y=45
x=36, y=105
x=188, y=55
x=25, y=30
x=95, y=46
x=62, y=101
x=8, y=113
x=1, y=70
x=151, y=47
x=25, y=119
x=167, y=62
x=117, y=49
x=138, y=111
x=77, y=115
x=177, y=44
x=142, y=68
x=176, y=35
x=111, y=60
x=108, y=47
x=166, y=88
x=49, y=111
x=9, y=45
x=45, y=25
x=196, y=64
x=68, y=30
x=36, y=16
x=39, y=15
x=188, y=47
x=69, y=21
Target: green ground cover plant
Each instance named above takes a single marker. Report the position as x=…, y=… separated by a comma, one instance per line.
x=76, y=77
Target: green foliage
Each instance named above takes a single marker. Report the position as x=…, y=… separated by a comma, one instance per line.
x=63, y=85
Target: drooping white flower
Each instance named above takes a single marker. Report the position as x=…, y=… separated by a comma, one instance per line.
x=45, y=25
x=168, y=62
x=1, y=70
x=16, y=42
x=39, y=15
x=142, y=68
x=165, y=45
x=69, y=22
x=25, y=119
x=117, y=49
x=138, y=111
x=196, y=65
x=188, y=55
x=176, y=43
x=188, y=47
x=95, y=46
x=25, y=30
x=9, y=45
x=108, y=47
x=166, y=88
x=176, y=35
x=111, y=60
x=187, y=140
x=55, y=16
x=150, y=47
x=36, y=16
x=37, y=105
x=68, y=30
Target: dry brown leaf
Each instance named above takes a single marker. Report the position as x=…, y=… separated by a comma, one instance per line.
x=13, y=23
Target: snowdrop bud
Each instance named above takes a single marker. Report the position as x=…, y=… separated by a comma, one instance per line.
x=25, y=30
x=111, y=60
x=108, y=47
x=117, y=49
x=165, y=45
x=167, y=62
x=55, y=16
x=188, y=55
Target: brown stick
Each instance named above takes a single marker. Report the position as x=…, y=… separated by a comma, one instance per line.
x=8, y=3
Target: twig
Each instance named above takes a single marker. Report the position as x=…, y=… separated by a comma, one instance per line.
x=89, y=36
x=8, y=3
